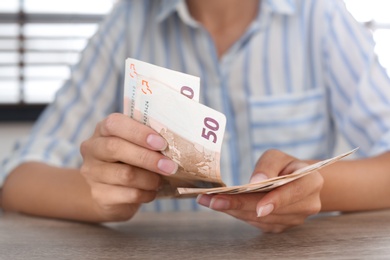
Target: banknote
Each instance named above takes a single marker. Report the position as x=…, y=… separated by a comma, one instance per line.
x=168, y=102
x=185, y=84
x=265, y=185
x=193, y=131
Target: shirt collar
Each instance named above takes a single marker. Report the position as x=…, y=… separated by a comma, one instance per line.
x=167, y=7
x=287, y=7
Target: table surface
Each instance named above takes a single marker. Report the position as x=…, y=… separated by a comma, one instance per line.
x=198, y=235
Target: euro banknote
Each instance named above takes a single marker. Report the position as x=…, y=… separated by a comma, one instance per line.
x=185, y=84
x=193, y=131
x=168, y=102
x=268, y=184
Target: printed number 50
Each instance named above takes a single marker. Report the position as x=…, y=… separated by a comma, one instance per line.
x=211, y=125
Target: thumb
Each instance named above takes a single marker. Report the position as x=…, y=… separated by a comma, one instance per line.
x=270, y=165
x=258, y=177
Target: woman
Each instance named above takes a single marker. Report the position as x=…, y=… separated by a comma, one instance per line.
x=289, y=75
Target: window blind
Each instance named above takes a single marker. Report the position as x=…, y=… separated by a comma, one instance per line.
x=39, y=41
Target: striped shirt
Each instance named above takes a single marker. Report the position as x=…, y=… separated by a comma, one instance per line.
x=303, y=72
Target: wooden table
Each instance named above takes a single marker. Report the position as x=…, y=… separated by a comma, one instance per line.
x=202, y=235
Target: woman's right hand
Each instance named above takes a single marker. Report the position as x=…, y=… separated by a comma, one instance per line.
x=123, y=166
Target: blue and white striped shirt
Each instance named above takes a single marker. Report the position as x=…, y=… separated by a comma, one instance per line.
x=303, y=72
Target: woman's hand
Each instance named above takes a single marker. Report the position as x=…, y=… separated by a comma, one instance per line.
x=123, y=166
x=282, y=208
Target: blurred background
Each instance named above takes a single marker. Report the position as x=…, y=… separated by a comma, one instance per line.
x=41, y=39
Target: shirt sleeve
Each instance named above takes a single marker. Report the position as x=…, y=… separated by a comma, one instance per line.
x=91, y=93
x=359, y=87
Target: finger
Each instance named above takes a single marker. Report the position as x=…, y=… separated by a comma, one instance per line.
x=270, y=165
x=222, y=202
x=107, y=195
x=122, y=126
x=114, y=149
x=293, y=166
x=290, y=194
x=311, y=205
x=291, y=215
x=274, y=201
x=123, y=175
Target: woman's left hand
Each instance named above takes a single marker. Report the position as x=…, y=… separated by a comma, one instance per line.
x=282, y=208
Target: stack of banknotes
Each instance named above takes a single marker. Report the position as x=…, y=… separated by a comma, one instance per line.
x=168, y=102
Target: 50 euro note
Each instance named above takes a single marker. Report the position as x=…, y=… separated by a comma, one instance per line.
x=194, y=133
x=185, y=84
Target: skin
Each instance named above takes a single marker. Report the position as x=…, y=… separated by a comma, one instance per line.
x=122, y=168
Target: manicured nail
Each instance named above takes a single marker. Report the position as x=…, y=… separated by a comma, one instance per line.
x=258, y=177
x=219, y=204
x=265, y=210
x=204, y=200
x=156, y=142
x=167, y=166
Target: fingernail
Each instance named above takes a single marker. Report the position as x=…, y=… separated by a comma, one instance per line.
x=204, y=200
x=156, y=142
x=265, y=210
x=219, y=204
x=258, y=177
x=167, y=166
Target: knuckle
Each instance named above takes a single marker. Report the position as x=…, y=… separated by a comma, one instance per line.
x=96, y=196
x=144, y=157
x=315, y=208
x=125, y=174
x=237, y=204
x=111, y=145
x=84, y=148
x=155, y=185
x=136, y=196
x=152, y=196
x=85, y=170
x=320, y=182
x=272, y=152
x=273, y=161
x=108, y=125
x=140, y=196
